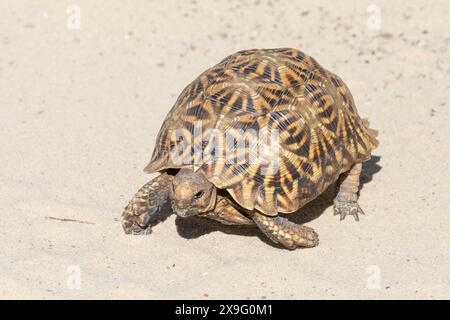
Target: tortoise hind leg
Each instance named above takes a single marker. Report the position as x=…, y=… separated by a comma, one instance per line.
x=345, y=202
x=278, y=229
x=150, y=204
x=281, y=230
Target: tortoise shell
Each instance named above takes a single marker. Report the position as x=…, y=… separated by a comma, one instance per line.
x=299, y=116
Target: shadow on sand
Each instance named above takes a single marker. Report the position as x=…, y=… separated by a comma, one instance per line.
x=195, y=227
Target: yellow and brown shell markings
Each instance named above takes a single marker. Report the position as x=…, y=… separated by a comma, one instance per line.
x=320, y=134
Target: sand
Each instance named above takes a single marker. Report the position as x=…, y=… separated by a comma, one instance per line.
x=80, y=110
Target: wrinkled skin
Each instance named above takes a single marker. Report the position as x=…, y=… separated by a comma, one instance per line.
x=192, y=194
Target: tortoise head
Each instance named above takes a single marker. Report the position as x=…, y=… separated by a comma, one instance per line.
x=192, y=194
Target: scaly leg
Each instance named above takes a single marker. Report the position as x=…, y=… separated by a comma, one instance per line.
x=285, y=232
x=345, y=202
x=148, y=205
x=278, y=229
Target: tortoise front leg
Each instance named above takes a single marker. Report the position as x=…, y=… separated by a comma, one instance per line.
x=150, y=204
x=226, y=213
x=345, y=202
x=281, y=230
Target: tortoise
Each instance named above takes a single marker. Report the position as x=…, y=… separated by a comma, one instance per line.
x=253, y=138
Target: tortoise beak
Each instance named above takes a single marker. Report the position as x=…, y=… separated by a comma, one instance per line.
x=183, y=212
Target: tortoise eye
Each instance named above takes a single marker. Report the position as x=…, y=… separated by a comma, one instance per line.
x=198, y=195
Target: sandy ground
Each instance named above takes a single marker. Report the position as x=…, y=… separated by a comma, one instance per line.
x=80, y=110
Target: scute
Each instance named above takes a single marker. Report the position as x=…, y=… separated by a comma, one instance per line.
x=284, y=91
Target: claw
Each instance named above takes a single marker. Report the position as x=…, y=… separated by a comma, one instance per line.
x=361, y=211
x=347, y=208
x=136, y=224
x=354, y=213
x=136, y=229
x=336, y=211
x=140, y=231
